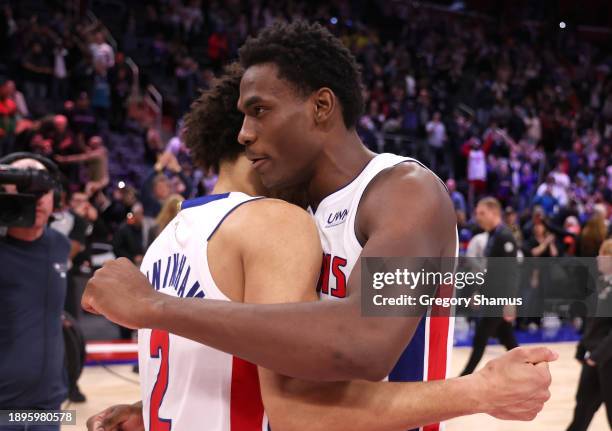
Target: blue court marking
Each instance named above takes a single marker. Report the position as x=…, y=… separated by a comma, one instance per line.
x=196, y=202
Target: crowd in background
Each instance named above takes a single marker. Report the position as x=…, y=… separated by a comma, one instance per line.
x=521, y=113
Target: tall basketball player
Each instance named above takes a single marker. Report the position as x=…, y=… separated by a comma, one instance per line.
x=301, y=97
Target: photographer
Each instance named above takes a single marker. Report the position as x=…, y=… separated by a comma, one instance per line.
x=33, y=288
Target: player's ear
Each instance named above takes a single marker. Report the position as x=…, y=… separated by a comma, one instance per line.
x=324, y=105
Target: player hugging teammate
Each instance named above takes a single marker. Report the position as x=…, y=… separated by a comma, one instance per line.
x=257, y=262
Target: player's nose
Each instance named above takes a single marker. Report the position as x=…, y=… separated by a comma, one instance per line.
x=246, y=136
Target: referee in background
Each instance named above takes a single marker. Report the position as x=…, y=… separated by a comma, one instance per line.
x=500, y=282
x=595, y=351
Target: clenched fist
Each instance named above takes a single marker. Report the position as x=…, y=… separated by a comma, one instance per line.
x=516, y=385
x=123, y=417
x=121, y=293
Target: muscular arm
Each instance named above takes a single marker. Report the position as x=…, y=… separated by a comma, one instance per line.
x=406, y=213
x=293, y=253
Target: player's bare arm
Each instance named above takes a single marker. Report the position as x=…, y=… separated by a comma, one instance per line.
x=291, y=330
x=510, y=387
x=293, y=404
x=292, y=333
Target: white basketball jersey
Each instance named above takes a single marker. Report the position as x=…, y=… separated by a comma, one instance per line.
x=187, y=386
x=427, y=357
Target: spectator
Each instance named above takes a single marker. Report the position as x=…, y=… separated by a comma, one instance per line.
x=121, y=80
x=169, y=210
x=542, y=243
x=511, y=220
x=83, y=119
x=128, y=242
x=37, y=68
x=157, y=186
x=102, y=53
x=546, y=199
x=593, y=235
x=436, y=138
x=218, y=47
x=19, y=99
x=101, y=93
x=456, y=196
x=8, y=118
x=59, y=84
x=476, y=170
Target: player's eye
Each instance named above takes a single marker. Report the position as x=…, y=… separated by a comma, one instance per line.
x=259, y=110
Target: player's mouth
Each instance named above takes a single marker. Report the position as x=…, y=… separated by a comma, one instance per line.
x=257, y=161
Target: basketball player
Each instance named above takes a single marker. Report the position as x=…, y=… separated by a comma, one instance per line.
x=301, y=97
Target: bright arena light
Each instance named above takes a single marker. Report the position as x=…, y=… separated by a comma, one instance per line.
x=562, y=24
x=334, y=20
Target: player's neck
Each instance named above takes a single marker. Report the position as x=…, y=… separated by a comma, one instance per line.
x=236, y=176
x=339, y=164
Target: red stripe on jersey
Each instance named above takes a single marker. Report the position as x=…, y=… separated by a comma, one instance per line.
x=246, y=406
x=438, y=343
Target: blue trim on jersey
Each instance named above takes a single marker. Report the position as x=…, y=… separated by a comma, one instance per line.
x=196, y=202
x=228, y=213
x=411, y=364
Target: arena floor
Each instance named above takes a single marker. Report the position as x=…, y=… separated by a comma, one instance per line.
x=103, y=388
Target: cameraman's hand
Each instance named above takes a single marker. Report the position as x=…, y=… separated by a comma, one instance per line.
x=121, y=293
x=122, y=417
x=516, y=385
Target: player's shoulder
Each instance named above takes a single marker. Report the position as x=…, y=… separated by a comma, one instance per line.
x=404, y=197
x=409, y=183
x=265, y=227
x=268, y=210
x=260, y=218
x=409, y=173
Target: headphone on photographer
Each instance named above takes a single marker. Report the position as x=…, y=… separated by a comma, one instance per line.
x=51, y=167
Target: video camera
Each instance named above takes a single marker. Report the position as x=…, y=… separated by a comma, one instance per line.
x=19, y=209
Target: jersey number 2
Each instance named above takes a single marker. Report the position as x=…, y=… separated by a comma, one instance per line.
x=160, y=346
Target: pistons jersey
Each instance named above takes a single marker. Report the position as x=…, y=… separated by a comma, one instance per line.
x=187, y=386
x=427, y=357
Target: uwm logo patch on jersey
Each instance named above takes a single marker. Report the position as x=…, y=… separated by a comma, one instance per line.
x=332, y=280
x=336, y=218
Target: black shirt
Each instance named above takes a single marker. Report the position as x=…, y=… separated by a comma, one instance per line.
x=501, y=278
x=33, y=288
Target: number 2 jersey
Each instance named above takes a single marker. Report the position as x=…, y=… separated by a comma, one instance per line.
x=187, y=386
x=427, y=357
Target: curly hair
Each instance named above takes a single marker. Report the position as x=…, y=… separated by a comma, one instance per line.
x=211, y=127
x=309, y=57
